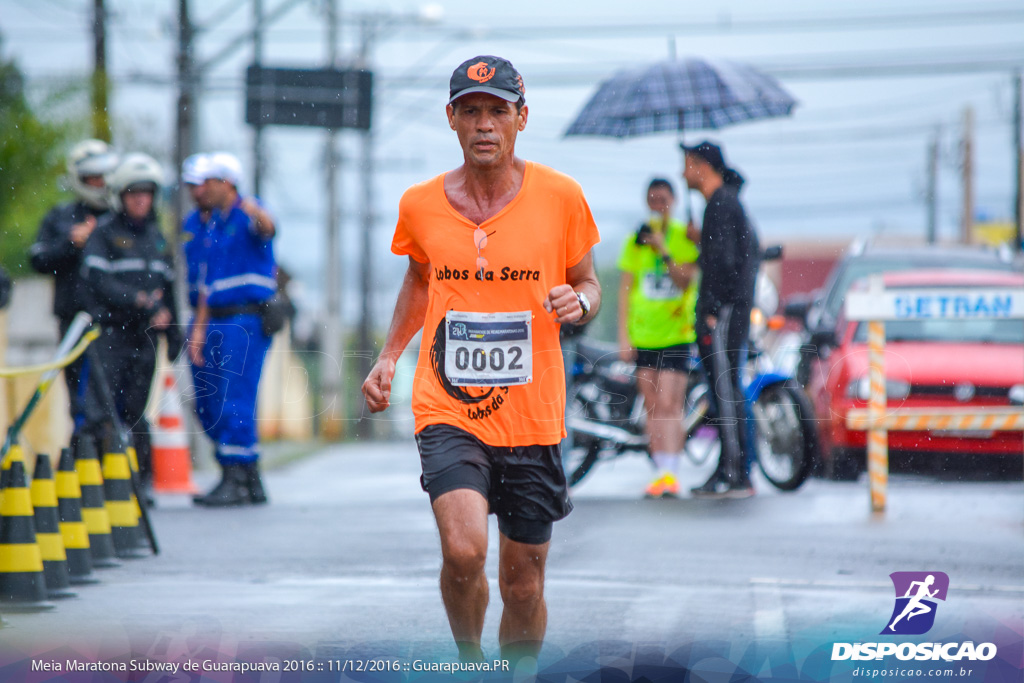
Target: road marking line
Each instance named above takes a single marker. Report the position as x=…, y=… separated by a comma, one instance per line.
x=769, y=612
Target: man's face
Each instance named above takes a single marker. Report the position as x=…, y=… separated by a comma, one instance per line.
x=198, y=193
x=694, y=170
x=214, y=192
x=487, y=127
x=93, y=181
x=137, y=203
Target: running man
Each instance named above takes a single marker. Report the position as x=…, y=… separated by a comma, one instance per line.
x=915, y=607
x=499, y=258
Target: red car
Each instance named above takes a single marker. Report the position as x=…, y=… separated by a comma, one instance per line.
x=931, y=363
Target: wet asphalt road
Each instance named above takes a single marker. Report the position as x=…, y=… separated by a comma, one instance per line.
x=346, y=556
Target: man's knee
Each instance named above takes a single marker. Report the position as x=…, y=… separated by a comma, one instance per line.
x=464, y=557
x=521, y=588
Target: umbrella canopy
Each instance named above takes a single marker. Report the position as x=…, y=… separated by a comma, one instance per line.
x=688, y=94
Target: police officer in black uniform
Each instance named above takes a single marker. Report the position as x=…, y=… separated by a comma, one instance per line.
x=58, y=248
x=127, y=265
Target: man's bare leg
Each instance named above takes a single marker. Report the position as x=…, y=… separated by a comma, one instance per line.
x=462, y=522
x=524, y=618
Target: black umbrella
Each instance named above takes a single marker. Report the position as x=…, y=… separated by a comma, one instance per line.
x=680, y=95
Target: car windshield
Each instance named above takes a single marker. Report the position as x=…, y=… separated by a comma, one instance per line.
x=951, y=331
x=865, y=266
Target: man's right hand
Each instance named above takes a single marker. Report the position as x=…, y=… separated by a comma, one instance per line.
x=80, y=231
x=377, y=387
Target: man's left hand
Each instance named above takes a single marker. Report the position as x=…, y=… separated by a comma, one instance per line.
x=563, y=303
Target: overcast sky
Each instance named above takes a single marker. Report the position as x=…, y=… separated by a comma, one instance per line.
x=851, y=161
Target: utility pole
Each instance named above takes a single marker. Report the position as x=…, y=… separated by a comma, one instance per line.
x=967, y=169
x=933, y=187
x=332, y=370
x=257, y=129
x=366, y=345
x=184, y=131
x=100, y=83
x=1018, y=162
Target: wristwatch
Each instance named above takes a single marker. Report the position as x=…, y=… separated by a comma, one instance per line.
x=584, y=303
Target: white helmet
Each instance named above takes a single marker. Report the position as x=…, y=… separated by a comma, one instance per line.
x=225, y=166
x=194, y=168
x=90, y=158
x=134, y=169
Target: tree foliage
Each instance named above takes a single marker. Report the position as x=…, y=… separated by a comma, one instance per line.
x=31, y=164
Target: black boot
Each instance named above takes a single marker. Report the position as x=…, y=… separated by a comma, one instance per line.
x=255, y=485
x=232, y=489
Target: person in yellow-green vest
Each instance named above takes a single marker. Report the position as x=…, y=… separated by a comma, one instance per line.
x=657, y=303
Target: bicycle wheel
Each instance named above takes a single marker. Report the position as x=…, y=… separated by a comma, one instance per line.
x=578, y=460
x=784, y=435
x=702, y=439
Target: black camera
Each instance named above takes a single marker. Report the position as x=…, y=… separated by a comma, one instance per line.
x=643, y=233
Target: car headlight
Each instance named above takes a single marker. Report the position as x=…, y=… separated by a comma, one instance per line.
x=894, y=388
x=1017, y=394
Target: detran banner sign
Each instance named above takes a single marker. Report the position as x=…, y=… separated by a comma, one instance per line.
x=917, y=594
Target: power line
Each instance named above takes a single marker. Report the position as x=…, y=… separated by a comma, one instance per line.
x=757, y=26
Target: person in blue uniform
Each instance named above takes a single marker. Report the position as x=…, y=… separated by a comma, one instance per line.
x=228, y=340
x=195, y=240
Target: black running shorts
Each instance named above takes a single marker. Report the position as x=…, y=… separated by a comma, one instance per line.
x=524, y=485
x=675, y=358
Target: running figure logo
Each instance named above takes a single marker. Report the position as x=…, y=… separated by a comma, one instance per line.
x=916, y=593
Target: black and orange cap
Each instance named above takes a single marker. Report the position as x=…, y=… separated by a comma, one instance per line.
x=487, y=74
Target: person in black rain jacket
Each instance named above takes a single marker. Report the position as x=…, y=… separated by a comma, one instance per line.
x=730, y=255
x=57, y=251
x=127, y=266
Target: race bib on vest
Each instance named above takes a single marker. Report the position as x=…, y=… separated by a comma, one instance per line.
x=488, y=349
x=659, y=286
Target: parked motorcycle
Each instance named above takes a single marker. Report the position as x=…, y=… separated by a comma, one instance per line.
x=605, y=414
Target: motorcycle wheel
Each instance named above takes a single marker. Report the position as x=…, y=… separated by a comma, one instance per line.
x=786, y=441
x=578, y=460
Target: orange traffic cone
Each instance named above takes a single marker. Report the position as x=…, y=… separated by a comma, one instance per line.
x=172, y=462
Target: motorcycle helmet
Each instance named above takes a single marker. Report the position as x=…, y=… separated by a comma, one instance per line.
x=90, y=158
x=136, y=171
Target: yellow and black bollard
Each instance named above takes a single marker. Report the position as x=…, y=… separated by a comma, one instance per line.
x=72, y=528
x=94, y=510
x=48, y=536
x=133, y=461
x=22, y=584
x=5, y=473
x=122, y=511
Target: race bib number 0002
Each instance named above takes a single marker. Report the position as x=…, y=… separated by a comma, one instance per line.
x=488, y=349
